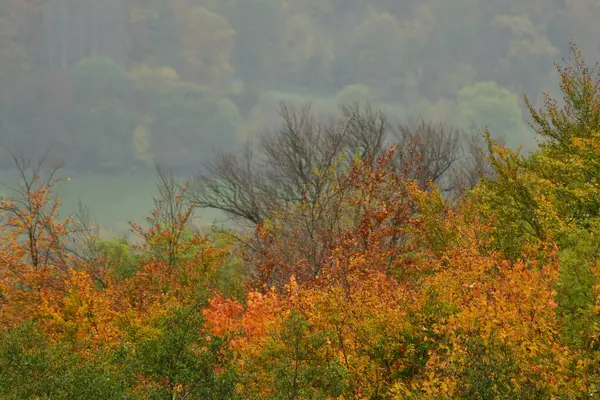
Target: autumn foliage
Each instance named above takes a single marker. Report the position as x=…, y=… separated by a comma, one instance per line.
x=405, y=295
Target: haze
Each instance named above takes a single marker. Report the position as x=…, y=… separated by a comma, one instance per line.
x=114, y=86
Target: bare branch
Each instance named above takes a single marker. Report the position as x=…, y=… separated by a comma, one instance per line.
x=297, y=175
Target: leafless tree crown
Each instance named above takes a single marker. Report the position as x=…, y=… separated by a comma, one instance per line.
x=287, y=166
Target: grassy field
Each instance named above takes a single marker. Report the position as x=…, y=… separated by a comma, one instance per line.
x=113, y=201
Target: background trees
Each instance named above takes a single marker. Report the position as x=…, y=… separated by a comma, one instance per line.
x=246, y=56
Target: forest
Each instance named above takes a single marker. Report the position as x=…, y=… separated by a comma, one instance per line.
x=399, y=226
x=115, y=85
x=368, y=260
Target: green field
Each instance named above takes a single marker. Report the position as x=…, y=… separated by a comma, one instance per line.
x=113, y=201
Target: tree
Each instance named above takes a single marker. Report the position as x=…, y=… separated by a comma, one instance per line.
x=59, y=373
x=34, y=262
x=375, y=37
x=186, y=123
x=284, y=166
x=101, y=122
x=184, y=361
x=296, y=364
x=166, y=238
x=551, y=196
x=207, y=43
x=31, y=215
x=258, y=25
x=302, y=172
x=154, y=32
x=578, y=117
x=486, y=104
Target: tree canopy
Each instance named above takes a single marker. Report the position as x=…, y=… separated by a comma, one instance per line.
x=357, y=275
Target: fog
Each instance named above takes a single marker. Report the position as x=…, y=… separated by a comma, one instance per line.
x=112, y=87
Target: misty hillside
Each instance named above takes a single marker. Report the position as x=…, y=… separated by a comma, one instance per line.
x=114, y=86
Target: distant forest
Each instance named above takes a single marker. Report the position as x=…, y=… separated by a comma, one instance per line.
x=115, y=85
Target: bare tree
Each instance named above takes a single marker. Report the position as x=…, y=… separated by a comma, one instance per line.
x=473, y=167
x=233, y=184
x=295, y=175
x=168, y=222
x=434, y=147
x=280, y=168
x=83, y=242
